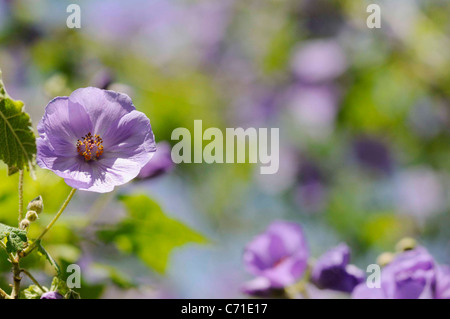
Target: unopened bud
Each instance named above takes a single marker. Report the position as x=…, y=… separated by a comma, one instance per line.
x=24, y=224
x=31, y=216
x=36, y=205
x=385, y=258
x=406, y=243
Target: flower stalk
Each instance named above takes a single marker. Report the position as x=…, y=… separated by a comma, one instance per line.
x=20, y=195
x=30, y=248
x=26, y=272
x=16, y=278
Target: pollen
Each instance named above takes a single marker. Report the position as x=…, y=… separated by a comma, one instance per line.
x=90, y=147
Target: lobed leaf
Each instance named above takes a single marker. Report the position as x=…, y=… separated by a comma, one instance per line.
x=16, y=238
x=149, y=233
x=17, y=139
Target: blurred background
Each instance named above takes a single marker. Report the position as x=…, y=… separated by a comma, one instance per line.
x=364, y=118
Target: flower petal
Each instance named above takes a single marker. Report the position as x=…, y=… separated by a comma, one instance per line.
x=112, y=172
x=362, y=291
x=62, y=125
x=105, y=108
x=131, y=135
x=287, y=272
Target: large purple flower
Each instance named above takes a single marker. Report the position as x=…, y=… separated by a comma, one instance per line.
x=443, y=282
x=94, y=139
x=333, y=271
x=279, y=255
x=411, y=275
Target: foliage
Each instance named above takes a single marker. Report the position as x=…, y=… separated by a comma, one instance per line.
x=17, y=134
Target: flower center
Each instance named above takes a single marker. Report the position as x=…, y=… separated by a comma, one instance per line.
x=90, y=147
x=279, y=261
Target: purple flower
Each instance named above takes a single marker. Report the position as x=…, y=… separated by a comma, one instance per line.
x=420, y=192
x=94, y=139
x=411, y=275
x=279, y=255
x=160, y=163
x=333, y=271
x=319, y=60
x=313, y=108
x=311, y=190
x=373, y=154
x=443, y=282
x=52, y=295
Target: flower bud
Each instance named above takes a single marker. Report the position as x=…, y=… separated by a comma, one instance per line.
x=406, y=243
x=36, y=205
x=385, y=258
x=24, y=224
x=31, y=216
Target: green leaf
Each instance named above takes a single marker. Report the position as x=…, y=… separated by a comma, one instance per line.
x=17, y=140
x=59, y=285
x=32, y=292
x=149, y=233
x=52, y=261
x=17, y=238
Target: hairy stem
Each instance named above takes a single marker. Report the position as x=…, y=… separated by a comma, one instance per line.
x=98, y=207
x=20, y=195
x=26, y=272
x=53, y=221
x=16, y=278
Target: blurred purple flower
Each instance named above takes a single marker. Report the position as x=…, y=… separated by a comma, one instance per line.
x=285, y=178
x=314, y=107
x=411, y=275
x=279, y=255
x=333, y=271
x=52, y=295
x=373, y=154
x=420, y=193
x=94, y=139
x=259, y=287
x=160, y=163
x=102, y=79
x=163, y=30
x=311, y=191
x=443, y=282
x=318, y=61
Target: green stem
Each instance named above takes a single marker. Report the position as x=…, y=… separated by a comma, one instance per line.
x=20, y=195
x=98, y=207
x=4, y=295
x=46, y=229
x=26, y=272
x=16, y=278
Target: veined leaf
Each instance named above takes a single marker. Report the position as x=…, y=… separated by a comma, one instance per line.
x=32, y=292
x=149, y=233
x=17, y=140
x=17, y=238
